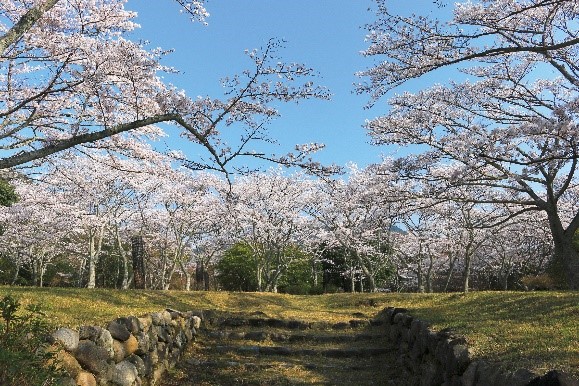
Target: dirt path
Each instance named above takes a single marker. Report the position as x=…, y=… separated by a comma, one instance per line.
x=253, y=349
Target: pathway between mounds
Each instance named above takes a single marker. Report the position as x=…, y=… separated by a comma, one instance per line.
x=254, y=349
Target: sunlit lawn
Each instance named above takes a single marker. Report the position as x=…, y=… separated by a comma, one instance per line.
x=535, y=330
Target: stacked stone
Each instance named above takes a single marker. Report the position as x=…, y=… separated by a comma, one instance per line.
x=131, y=351
x=431, y=358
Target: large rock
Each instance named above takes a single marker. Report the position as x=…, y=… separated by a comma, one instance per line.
x=119, y=350
x=162, y=333
x=89, y=332
x=67, y=338
x=132, y=323
x=430, y=374
x=522, y=377
x=143, y=340
x=68, y=362
x=124, y=349
x=131, y=345
x=100, y=336
x=488, y=374
x=458, y=359
x=147, y=362
x=469, y=376
x=118, y=331
x=180, y=339
x=85, y=379
x=105, y=340
x=196, y=322
x=161, y=318
x=93, y=358
x=139, y=364
x=145, y=322
x=554, y=377
x=125, y=374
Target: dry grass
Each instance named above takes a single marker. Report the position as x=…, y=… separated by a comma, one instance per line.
x=536, y=330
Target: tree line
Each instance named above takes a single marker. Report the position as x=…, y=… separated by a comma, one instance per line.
x=492, y=152
x=266, y=231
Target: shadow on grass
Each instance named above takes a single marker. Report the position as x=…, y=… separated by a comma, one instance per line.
x=313, y=355
x=537, y=330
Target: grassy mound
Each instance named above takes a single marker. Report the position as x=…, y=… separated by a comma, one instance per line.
x=535, y=330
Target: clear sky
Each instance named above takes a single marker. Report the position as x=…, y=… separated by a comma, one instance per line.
x=324, y=34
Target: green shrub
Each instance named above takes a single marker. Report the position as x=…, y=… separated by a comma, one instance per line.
x=297, y=279
x=236, y=271
x=8, y=194
x=23, y=355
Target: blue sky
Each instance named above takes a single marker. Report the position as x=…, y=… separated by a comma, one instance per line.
x=324, y=34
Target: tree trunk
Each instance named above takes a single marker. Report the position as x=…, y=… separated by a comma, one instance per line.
x=206, y=280
x=187, y=275
x=17, y=271
x=82, y=266
x=91, y=261
x=450, y=272
x=314, y=273
x=506, y=269
x=352, y=280
x=420, y=276
x=95, y=237
x=170, y=274
x=429, y=274
x=259, y=279
x=24, y=24
x=124, y=258
x=369, y=275
x=466, y=272
x=565, y=263
x=42, y=271
x=138, y=252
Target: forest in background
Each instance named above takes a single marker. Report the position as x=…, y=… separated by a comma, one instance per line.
x=486, y=197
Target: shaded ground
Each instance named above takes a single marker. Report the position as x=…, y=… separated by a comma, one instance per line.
x=254, y=349
x=533, y=330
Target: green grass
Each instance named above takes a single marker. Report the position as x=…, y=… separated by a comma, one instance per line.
x=535, y=330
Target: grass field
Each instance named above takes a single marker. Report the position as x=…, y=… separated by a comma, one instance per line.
x=534, y=330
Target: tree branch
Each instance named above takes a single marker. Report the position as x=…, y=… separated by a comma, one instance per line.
x=56, y=146
x=25, y=23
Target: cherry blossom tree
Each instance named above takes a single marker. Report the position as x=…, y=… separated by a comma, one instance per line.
x=109, y=192
x=37, y=229
x=82, y=181
x=511, y=125
x=69, y=76
x=188, y=213
x=417, y=248
x=267, y=211
x=520, y=248
x=359, y=214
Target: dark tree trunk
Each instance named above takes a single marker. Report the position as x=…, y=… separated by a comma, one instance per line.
x=452, y=262
x=565, y=264
x=199, y=277
x=466, y=274
x=429, y=273
x=206, y=280
x=138, y=255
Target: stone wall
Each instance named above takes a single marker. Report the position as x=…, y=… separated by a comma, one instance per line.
x=131, y=351
x=443, y=358
x=136, y=351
